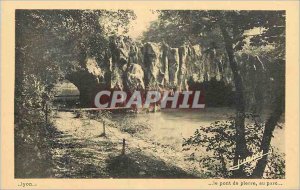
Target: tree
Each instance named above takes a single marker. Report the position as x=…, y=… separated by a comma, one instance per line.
x=51, y=44
x=231, y=26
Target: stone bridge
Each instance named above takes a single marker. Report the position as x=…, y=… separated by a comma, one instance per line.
x=156, y=66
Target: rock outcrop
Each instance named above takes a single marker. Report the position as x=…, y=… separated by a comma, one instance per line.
x=87, y=79
x=156, y=66
x=165, y=67
x=134, y=77
x=173, y=61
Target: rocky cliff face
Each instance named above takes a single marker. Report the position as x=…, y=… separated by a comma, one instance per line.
x=159, y=66
x=156, y=66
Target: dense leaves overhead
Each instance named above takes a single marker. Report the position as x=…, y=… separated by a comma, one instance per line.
x=194, y=26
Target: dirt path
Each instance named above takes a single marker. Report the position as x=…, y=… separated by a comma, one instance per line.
x=80, y=152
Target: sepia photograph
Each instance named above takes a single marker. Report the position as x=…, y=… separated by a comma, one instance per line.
x=180, y=94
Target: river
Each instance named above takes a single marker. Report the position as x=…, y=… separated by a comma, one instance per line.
x=169, y=127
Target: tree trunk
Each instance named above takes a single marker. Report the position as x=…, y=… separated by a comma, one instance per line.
x=278, y=107
x=241, y=150
x=266, y=141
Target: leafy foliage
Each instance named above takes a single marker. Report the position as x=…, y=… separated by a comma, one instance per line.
x=50, y=44
x=219, y=140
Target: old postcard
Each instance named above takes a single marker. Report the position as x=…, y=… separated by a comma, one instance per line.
x=150, y=94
